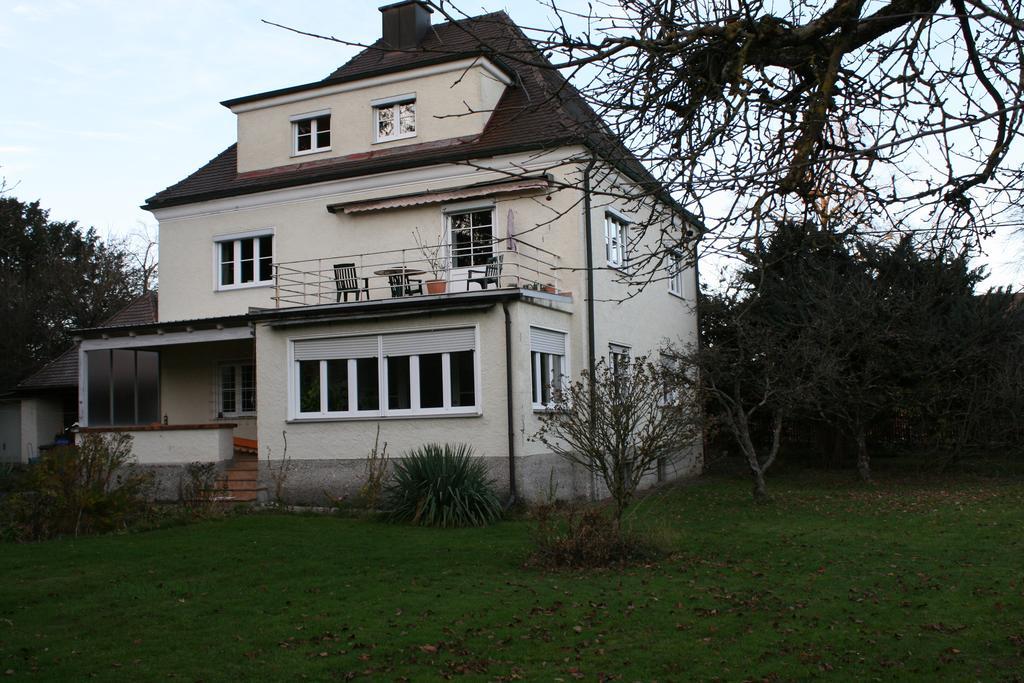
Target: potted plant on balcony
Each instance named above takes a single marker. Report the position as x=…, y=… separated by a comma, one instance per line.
x=435, y=255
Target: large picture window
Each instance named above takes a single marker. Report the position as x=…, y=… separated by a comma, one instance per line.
x=245, y=261
x=122, y=387
x=472, y=237
x=415, y=373
x=548, y=362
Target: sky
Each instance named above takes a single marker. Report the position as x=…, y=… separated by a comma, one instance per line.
x=107, y=102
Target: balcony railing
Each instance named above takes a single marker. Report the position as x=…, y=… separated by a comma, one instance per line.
x=415, y=271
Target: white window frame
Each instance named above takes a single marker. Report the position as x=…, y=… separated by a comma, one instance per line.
x=461, y=210
x=237, y=368
x=617, y=349
x=536, y=370
x=675, y=273
x=314, y=131
x=616, y=239
x=237, y=239
x=394, y=104
x=384, y=410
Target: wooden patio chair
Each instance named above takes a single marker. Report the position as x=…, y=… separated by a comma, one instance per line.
x=347, y=282
x=403, y=285
x=491, y=274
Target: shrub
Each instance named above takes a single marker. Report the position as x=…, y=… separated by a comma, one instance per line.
x=584, y=538
x=74, y=490
x=376, y=473
x=199, y=488
x=442, y=486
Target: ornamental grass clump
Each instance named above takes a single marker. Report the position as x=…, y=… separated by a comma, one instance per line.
x=442, y=486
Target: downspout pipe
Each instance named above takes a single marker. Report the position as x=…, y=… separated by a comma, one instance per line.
x=588, y=230
x=510, y=413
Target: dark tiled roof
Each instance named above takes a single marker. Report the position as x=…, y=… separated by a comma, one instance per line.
x=139, y=312
x=59, y=373
x=541, y=111
x=62, y=372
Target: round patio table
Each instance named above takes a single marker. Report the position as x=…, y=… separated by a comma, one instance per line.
x=399, y=270
x=403, y=272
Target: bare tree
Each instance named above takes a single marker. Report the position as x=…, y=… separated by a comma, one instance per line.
x=888, y=116
x=752, y=372
x=142, y=245
x=621, y=425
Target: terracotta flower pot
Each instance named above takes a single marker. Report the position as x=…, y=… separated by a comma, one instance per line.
x=436, y=286
x=550, y=289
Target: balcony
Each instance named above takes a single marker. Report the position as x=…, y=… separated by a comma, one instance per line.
x=416, y=271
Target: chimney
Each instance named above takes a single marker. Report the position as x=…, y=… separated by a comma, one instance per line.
x=405, y=23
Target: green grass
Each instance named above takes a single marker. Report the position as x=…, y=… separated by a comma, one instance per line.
x=834, y=580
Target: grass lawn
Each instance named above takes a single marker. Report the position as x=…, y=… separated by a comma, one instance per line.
x=834, y=580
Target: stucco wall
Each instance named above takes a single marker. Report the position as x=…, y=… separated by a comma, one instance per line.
x=352, y=438
x=303, y=229
x=189, y=383
x=41, y=420
x=448, y=105
x=10, y=431
x=181, y=446
x=641, y=318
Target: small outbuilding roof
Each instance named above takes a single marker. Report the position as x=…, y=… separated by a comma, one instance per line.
x=62, y=371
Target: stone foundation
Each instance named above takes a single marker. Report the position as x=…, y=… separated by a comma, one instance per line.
x=539, y=479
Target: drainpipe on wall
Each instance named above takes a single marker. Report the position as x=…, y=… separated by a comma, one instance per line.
x=588, y=230
x=510, y=415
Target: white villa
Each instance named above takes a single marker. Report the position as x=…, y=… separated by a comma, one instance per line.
x=417, y=243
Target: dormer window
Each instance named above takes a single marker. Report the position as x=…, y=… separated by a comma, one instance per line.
x=311, y=132
x=394, y=118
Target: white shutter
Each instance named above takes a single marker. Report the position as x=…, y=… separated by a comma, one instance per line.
x=336, y=347
x=547, y=341
x=433, y=341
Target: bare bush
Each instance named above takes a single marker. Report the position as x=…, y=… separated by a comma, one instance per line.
x=622, y=424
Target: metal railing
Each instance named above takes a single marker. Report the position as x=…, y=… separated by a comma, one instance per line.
x=415, y=271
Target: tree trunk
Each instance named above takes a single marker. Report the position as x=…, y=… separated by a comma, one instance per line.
x=760, y=487
x=863, y=460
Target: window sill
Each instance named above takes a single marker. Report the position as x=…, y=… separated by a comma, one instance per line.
x=407, y=136
x=247, y=285
x=542, y=410
x=377, y=417
x=306, y=153
x=677, y=295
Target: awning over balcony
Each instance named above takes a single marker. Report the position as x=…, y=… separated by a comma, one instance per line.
x=516, y=186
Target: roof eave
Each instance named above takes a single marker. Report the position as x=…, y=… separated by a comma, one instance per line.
x=328, y=174
x=441, y=58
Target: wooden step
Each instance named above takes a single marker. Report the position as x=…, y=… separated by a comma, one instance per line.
x=236, y=486
x=242, y=475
